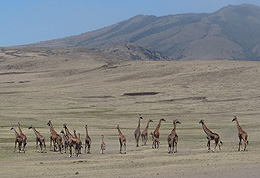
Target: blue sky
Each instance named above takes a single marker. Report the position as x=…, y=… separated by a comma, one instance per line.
x=29, y=21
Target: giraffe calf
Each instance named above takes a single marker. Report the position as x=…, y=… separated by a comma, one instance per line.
x=156, y=141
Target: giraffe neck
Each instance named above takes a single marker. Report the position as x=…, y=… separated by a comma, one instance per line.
x=206, y=130
x=119, y=131
x=20, y=130
x=238, y=126
x=35, y=132
x=147, y=126
x=52, y=128
x=75, y=134
x=174, y=126
x=16, y=133
x=158, y=126
x=86, y=132
x=67, y=132
x=64, y=137
x=139, y=121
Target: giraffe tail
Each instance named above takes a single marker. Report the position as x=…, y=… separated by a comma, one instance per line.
x=247, y=142
x=221, y=143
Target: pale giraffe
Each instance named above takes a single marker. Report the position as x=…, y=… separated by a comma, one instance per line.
x=242, y=135
x=137, y=132
x=23, y=136
x=39, y=138
x=144, y=134
x=18, y=139
x=55, y=138
x=65, y=141
x=87, y=140
x=173, y=138
x=103, y=145
x=211, y=136
x=156, y=132
x=122, y=140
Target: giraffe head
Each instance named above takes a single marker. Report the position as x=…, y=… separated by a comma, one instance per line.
x=86, y=126
x=18, y=123
x=117, y=126
x=64, y=126
x=162, y=119
x=235, y=118
x=150, y=120
x=201, y=121
x=176, y=122
x=62, y=131
x=12, y=128
x=49, y=123
x=30, y=127
x=140, y=116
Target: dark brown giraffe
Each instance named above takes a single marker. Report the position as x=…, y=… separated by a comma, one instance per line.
x=211, y=136
x=242, y=135
x=137, y=132
x=173, y=138
x=144, y=134
x=65, y=141
x=39, y=138
x=87, y=140
x=18, y=139
x=55, y=138
x=23, y=136
x=103, y=145
x=156, y=132
x=156, y=142
x=73, y=142
x=122, y=140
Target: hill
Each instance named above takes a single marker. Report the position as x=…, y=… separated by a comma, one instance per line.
x=229, y=33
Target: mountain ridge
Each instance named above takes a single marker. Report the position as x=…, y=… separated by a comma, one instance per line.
x=229, y=33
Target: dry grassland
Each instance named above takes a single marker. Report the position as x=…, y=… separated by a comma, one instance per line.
x=80, y=87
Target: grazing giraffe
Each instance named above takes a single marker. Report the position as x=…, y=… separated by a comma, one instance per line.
x=137, y=132
x=211, y=136
x=156, y=133
x=73, y=142
x=173, y=138
x=144, y=134
x=55, y=138
x=122, y=140
x=65, y=141
x=87, y=140
x=241, y=135
x=103, y=145
x=18, y=139
x=39, y=138
x=23, y=136
x=156, y=142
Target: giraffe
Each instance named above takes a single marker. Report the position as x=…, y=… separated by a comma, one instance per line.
x=156, y=133
x=73, y=142
x=55, y=138
x=211, y=136
x=242, y=135
x=144, y=134
x=77, y=136
x=137, y=132
x=173, y=138
x=18, y=139
x=87, y=140
x=156, y=142
x=23, y=136
x=39, y=138
x=65, y=141
x=103, y=145
x=122, y=140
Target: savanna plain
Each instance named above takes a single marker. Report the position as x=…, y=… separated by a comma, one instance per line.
x=78, y=87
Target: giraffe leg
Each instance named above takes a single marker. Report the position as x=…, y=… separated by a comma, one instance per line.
x=208, y=145
x=245, y=145
x=125, y=147
x=50, y=143
x=239, y=144
x=36, y=144
x=15, y=143
x=175, y=147
x=120, y=149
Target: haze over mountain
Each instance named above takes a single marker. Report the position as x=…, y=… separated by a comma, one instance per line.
x=232, y=32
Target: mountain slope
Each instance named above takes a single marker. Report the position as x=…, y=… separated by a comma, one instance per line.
x=230, y=33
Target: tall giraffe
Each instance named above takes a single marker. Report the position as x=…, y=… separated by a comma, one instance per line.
x=173, y=138
x=39, y=138
x=137, y=132
x=156, y=142
x=23, y=136
x=18, y=139
x=87, y=140
x=144, y=134
x=122, y=140
x=73, y=142
x=211, y=136
x=55, y=138
x=241, y=135
x=156, y=132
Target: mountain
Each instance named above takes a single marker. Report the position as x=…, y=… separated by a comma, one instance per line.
x=230, y=33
